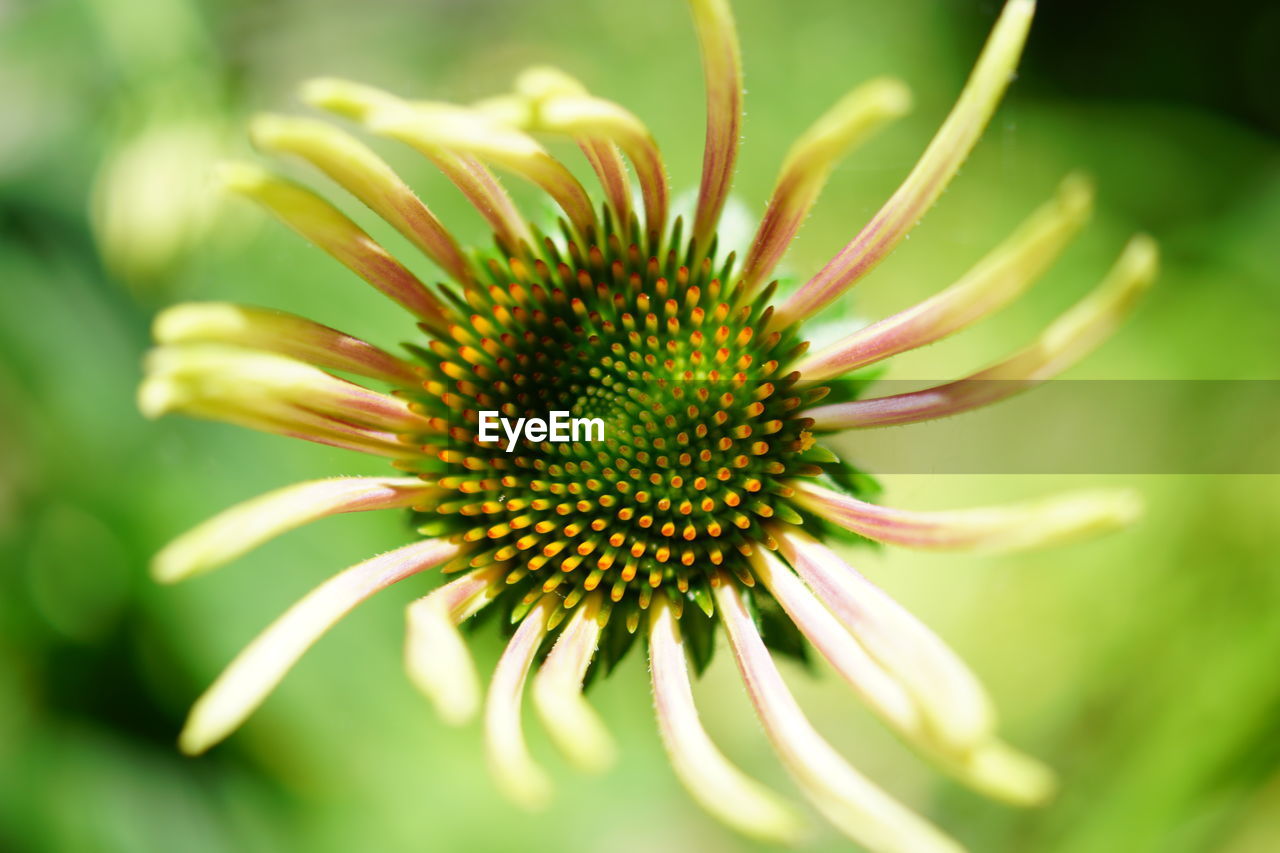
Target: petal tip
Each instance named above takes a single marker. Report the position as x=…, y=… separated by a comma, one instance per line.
x=266, y=130
x=198, y=734
x=323, y=92
x=1012, y=776
x=157, y=396
x=893, y=96
x=1076, y=195
x=239, y=177
x=1142, y=257
x=168, y=568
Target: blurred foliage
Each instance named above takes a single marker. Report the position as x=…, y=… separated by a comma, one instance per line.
x=1142, y=666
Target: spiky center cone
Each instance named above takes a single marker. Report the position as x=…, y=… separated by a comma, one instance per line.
x=701, y=431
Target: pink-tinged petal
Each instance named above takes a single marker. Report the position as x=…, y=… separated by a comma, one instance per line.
x=991, y=767
x=884, y=695
x=366, y=176
x=209, y=379
x=157, y=396
x=258, y=669
x=955, y=706
x=998, y=529
x=1072, y=336
x=809, y=163
x=557, y=691
x=858, y=808
x=243, y=527
x=535, y=87
x=431, y=127
x=329, y=229
x=999, y=278
x=435, y=654
x=718, y=786
x=722, y=70
x=467, y=173
x=937, y=166
x=606, y=161
x=580, y=114
x=283, y=334
x=517, y=775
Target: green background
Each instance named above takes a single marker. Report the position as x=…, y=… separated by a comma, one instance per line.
x=1142, y=666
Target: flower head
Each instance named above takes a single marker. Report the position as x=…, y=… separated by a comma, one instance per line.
x=709, y=500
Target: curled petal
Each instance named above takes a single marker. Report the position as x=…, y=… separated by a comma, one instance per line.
x=853, y=804
x=561, y=108
x=557, y=692
x=722, y=69
x=1008, y=528
x=329, y=229
x=468, y=174
x=1066, y=341
x=212, y=380
x=998, y=278
x=258, y=669
x=280, y=333
x=534, y=87
x=435, y=654
x=877, y=688
x=937, y=166
x=366, y=176
x=809, y=163
x=513, y=768
x=584, y=114
x=243, y=527
x=717, y=785
x=954, y=704
x=430, y=127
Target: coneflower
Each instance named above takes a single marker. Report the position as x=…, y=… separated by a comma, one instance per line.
x=710, y=500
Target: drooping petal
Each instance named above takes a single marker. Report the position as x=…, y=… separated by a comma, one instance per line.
x=717, y=785
x=534, y=86
x=809, y=163
x=435, y=654
x=999, y=529
x=468, y=174
x=557, y=691
x=280, y=333
x=243, y=527
x=877, y=688
x=722, y=70
x=258, y=669
x=275, y=394
x=853, y=804
x=329, y=229
x=997, y=279
x=954, y=704
x=937, y=166
x=991, y=767
x=1066, y=341
x=559, y=108
x=517, y=775
x=431, y=127
x=366, y=176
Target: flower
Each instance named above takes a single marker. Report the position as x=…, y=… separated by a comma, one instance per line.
x=712, y=499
